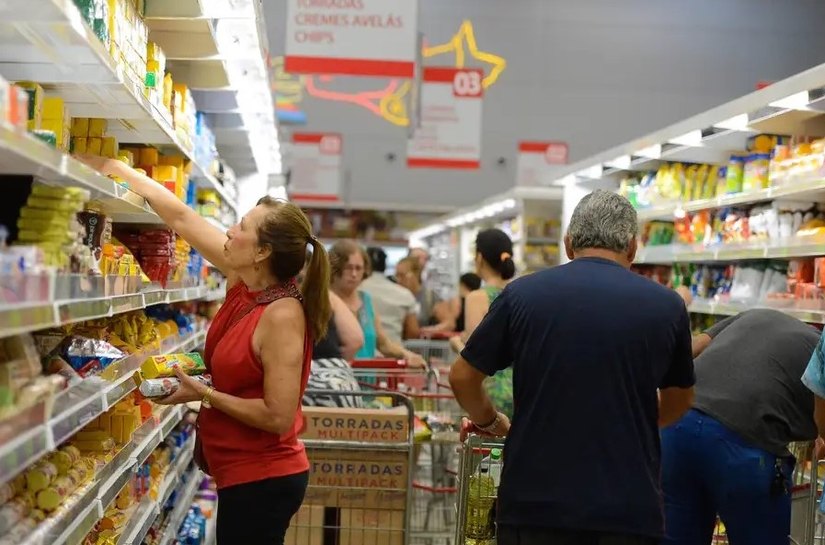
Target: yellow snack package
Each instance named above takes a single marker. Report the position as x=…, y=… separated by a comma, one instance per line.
x=163, y=366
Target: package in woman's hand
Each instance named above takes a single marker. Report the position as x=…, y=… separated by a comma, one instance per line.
x=164, y=366
x=160, y=387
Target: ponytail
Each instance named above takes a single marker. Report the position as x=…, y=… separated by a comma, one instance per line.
x=315, y=289
x=506, y=268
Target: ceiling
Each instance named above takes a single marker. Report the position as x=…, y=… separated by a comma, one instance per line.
x=593, y=74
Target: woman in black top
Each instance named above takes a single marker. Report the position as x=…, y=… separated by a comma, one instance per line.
x=467, y=283
x=330, y=358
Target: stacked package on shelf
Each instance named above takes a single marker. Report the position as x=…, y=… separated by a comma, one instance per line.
x=171, y=171
x=183, y=114
x=49, y=222
x=96, y=15
x=22, y=383
x=155, y=251
x=128, y=40
x=89, y=136
x=47, y=116
x=206, y=153
x=155, y=72
x=43, y=492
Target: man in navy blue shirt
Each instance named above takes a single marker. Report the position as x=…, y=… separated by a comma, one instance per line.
x=601, y=359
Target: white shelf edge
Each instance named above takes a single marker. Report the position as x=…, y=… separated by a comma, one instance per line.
x=731, y=309
x=170, y=296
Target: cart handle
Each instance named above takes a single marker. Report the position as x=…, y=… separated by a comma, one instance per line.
x=378, y=363
x=439, y=335
x=435, y=489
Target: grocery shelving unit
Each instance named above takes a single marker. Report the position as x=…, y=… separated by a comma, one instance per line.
x=530, y=215
x=795, y=107
x=51, y=43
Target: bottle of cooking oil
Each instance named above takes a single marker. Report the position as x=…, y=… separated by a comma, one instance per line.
x=481, y=497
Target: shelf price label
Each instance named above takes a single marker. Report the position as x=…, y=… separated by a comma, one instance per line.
x=450, y=131
x=538, y=162
x=316, y=166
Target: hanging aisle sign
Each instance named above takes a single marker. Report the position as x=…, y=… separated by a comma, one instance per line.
x=538, y=161
x=315, y=174
x=352, y=37
x=449, y=135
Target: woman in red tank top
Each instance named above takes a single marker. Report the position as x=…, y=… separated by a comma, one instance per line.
x=259, y=351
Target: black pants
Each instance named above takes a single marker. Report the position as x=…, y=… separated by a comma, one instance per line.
x=259, y=512
x=512, y=535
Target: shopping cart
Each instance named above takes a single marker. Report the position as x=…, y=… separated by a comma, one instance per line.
x=477, y=491
x=436, y=461
x=435, y=348
x=360, y=493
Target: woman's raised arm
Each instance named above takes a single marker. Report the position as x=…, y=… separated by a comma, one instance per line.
x=202, y=235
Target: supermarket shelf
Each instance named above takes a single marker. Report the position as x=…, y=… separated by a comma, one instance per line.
x=810, y=187
x=32, y=433
x=176, y=471
x=542, y=241
x=19, y=318
x=47, y=41
x=791, y=106
x=138, y=526
x=182, y=507
x=22, y=154
x=89, y=503
x=705, y=306
x=790, y=248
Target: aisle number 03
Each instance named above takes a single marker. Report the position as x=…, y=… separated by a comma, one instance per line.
x=468, y=83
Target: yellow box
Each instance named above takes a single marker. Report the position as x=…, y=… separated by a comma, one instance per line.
x=58, y=128
x=176, y=161
x=149, y=157
x=163, y=366
x=80, y=126
x=98, y=127
x=80, y=144
x=53, y=108
x=127, y=157
x=94, y=146
x=110, y=148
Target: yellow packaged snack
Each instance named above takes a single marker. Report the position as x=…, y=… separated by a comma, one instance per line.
x=53, y=108
x=40, y=476
x=98, y=127
x=163, y=366
x=101, y=445
x=70, y=193
x=80, y=144
x=58, y=205
x=149, y=157
x=80, y=127
x=94, y=145
x=109, y=147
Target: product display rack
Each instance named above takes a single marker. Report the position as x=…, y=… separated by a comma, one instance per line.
x=29, y=316
x=48, y=42
x=91, y=501
x=529, y=215
x=794, y=107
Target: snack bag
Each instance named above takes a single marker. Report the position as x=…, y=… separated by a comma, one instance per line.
x=163, y=366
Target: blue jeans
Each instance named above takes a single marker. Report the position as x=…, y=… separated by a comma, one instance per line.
x=707, y=470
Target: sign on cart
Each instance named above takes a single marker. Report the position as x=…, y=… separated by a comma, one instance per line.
x=538, y=161
x=316, y=167
x=352, y=37
x=450, y=131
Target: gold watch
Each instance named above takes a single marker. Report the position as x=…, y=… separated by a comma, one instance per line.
x=207, y=398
